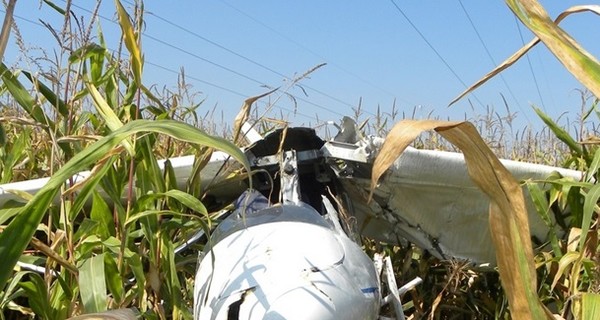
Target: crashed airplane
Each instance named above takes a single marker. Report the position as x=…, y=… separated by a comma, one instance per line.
x=290, y=249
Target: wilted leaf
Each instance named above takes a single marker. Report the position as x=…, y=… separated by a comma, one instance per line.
x=244, y=114
x=577, y=54
x=563, y=263
x=503, y=66
x=508, y=220
x=106, y=112
x=53, y=255
x=131, y=43
x=576, y=59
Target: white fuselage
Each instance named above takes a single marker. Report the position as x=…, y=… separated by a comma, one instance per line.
x=284, y=262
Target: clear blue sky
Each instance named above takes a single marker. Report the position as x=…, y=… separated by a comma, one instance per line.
x=371, y=51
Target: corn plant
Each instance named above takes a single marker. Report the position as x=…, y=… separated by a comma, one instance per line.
x=570, y=268
x=107, y=242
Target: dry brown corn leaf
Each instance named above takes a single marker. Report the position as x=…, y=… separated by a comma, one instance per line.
x=508, y=220
x=521, y=52
x=244, y=115
x=581, y=64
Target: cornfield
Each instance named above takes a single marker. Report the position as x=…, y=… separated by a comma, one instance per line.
x=71, y=250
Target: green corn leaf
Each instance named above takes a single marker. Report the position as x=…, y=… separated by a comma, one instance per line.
x=101, y=213
x=130, y=95
x=55, y=7
x=154, y=99
x=23, y=98
x=568, y=183
x=149, y=164
x=113, y=278
x=60, y=295
x=150, y=213
x=2, y=136
x=16, y=236
x=92, y=284
x=560, y=133
x=188, y=200
x=589, y=205
x=111, y=87
x=194, y=184
x=543, y=207
x=171, y=183
x=590, y=306
x=185, y=198
x=11, y=291
x=114, y=182
x=540, y=202
x=37, y=294
x=180, y=310
x=85, y=228
x=89, y=187
x=52, y=98
x=575, y=205
x=169, y=173
x=148, y=179
x=96, y=68
x=96, y=55
x=14, y=155
x=134, y=261
x=6, y=214
x=594, y=166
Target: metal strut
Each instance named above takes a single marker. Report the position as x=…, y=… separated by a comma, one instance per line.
x=395, y=292
x=290, y=186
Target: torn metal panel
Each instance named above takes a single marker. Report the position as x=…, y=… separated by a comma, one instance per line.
x=428, y=198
